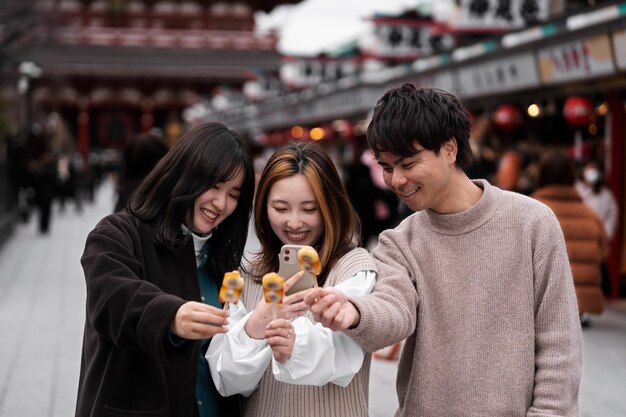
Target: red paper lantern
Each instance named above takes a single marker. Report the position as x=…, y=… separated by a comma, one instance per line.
x=507, y=117
x=577, y=111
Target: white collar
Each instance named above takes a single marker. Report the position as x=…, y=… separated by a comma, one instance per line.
x=198, y=241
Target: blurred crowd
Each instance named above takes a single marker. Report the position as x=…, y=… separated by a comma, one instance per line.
x=46, y=167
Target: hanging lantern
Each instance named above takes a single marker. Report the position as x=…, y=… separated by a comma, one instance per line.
x=577, y=111
x=507, y=117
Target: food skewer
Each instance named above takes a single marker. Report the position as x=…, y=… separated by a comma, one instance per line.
x=274, y=291
x=230, y=292
x=310, y=261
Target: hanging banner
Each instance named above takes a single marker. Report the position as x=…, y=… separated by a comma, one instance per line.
x=262, y=88
x=405, y=38
x=586, y=58
x=501, y=14
x=307, y=72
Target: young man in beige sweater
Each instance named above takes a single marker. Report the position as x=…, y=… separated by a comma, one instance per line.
x=477, y=280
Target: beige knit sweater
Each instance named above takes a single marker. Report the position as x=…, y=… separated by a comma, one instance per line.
x=278, y=399
x=487, y=302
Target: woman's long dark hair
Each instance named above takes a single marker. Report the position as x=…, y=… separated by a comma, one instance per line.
x=341, y=223
x=205, y=156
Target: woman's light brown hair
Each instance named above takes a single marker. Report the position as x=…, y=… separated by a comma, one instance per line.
x=341, y=224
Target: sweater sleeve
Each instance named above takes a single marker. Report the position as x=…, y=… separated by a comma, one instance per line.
x=124, y=308
x=558, y=354
x=389, y=314
x=321, y=356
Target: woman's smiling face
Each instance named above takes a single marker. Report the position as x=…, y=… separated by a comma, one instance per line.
x=293, y=211
x=217, y=203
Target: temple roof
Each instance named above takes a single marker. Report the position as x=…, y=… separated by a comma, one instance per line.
x=117, y=61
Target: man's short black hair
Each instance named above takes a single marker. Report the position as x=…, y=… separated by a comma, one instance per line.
x=407, y=115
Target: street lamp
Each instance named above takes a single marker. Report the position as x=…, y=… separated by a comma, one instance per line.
x=28, y=70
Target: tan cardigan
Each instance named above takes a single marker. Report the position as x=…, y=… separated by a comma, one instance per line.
x=487, y=301
x=278, y=399
x=585, y=240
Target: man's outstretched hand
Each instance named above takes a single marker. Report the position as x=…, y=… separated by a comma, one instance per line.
x=331, y=309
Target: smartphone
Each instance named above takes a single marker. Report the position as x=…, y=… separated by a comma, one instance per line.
x=288, y=266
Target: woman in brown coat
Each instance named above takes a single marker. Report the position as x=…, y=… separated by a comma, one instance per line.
x=152, y=276
x=584, y=234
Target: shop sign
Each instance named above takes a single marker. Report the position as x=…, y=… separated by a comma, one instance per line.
x=326, y=108
x=619, y=46
x=585, y=58
x=444, y=80
x=497, y=76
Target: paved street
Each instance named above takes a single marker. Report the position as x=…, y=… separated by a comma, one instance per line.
x=42, y=311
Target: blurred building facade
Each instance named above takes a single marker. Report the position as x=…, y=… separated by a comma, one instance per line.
x=531, y=72
x=115, y=68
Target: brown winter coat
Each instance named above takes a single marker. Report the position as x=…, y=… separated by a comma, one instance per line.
x=585, y=239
